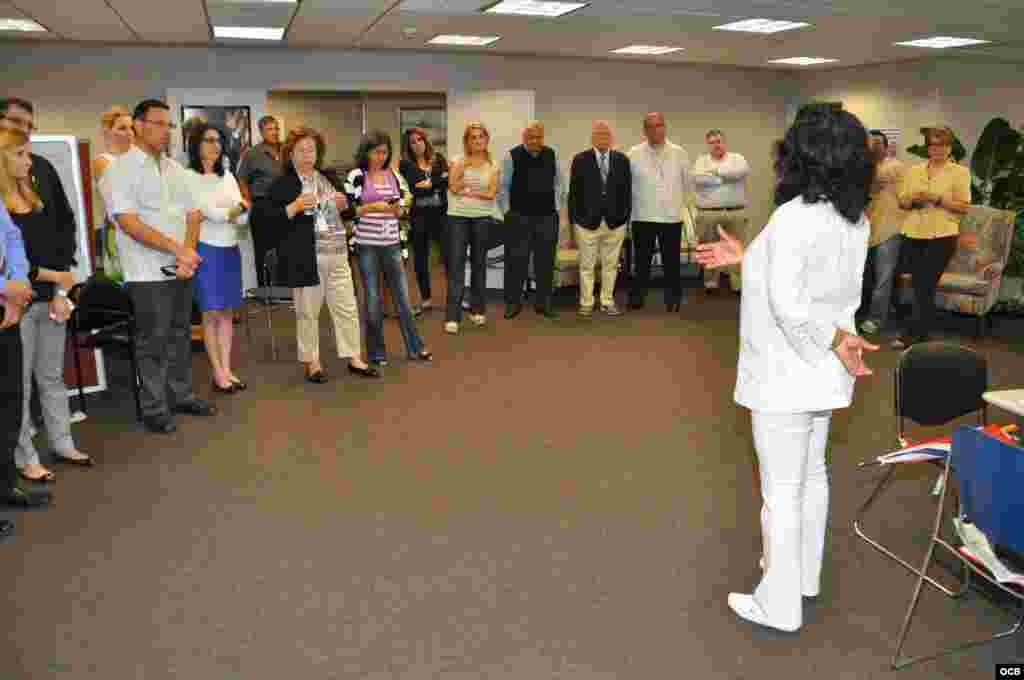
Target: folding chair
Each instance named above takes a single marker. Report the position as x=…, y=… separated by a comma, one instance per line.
x=990, y=472
x=936, y=382
x=269, y=296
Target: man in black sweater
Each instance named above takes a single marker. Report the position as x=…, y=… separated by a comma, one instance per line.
x=600, y=199
x=531, y=196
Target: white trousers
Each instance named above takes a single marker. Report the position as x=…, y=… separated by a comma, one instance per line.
x=599, y=245
x=794, y=516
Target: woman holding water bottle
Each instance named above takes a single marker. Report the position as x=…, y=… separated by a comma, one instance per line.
x=304, y=210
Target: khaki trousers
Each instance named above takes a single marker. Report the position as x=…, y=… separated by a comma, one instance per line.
x=733, y=221
x=599, y=245
x=337, y=289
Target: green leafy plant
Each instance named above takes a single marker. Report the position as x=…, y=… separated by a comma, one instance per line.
x=997, y=169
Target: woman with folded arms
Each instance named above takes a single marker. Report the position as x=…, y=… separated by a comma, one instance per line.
x=219, y=277
x=379, y=196
x=50, y=248
x=799, y=350
x=302, y=211
x=426, y=172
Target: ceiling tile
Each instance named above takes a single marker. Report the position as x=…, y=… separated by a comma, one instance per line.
x=250, y=14
x=161, y=21
x=78, y=20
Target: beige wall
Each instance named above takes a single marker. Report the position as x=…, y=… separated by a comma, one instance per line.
x=960, y=93
x=338, y=117
x=73, y=85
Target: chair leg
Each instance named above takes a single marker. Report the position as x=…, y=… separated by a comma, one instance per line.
x=78, y=371
x=858, y=530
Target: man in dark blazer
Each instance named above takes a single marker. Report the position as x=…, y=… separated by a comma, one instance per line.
x=600, y=199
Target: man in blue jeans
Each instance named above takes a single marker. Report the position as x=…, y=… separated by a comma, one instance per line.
x=886, y=219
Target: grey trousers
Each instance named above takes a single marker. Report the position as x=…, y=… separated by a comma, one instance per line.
x=163, y=343
x=43, y=341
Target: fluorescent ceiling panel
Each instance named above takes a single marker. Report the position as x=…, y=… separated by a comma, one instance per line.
x=647, y=50
x=803, y=61
x=534, y=8
x=464, y=40
x=761, y=26
x=248, y=32
x=20, y=25
x=941, y=42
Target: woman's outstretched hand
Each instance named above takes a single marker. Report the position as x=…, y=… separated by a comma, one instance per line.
x=722, y=253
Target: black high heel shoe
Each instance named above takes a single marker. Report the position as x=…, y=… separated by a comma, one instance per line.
x=224, y=390
x=368, y=372
x=240, y=385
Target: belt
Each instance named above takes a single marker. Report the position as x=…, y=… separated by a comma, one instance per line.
x=741, y=207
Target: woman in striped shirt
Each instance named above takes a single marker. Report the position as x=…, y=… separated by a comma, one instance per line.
x=379, y=197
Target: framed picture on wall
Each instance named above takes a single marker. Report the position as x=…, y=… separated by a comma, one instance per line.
x=235, y=122
x=433, y=121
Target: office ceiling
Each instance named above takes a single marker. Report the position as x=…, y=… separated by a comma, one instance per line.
x=854, y=32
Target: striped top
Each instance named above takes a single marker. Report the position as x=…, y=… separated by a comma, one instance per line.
x=476, y=178
x=375, y=229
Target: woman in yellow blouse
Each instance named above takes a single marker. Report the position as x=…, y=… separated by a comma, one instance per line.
x=936, y=192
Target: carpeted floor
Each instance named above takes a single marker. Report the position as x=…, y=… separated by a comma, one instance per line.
x=565, y=500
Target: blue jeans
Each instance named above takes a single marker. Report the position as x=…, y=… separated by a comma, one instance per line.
x=388, y=259
x=882, y=262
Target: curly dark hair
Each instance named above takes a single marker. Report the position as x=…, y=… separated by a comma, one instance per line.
x=825, y=157
x=370, y=141
x=195, y=141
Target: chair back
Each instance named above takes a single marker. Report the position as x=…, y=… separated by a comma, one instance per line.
x=937, y=382
x=101, y=302
x=991, y=476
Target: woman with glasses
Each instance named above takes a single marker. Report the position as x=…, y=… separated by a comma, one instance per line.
x=219, y=277
x=50, y=248
x=302, y=210
x=379, y=197
x=937, y=192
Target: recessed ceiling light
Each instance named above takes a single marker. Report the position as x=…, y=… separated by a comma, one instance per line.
x=646, y=50
x=940, y=42
x=534, y=8
x=464, y=40
x=19, y=25
x=248, y=32
x=803, y=61
x=761, y=26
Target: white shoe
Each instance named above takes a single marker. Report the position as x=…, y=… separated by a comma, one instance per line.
x=746, y=607
x=478, y=319
x=427, y=304
x=451, y=327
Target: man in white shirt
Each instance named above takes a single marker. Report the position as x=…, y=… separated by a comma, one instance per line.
x=660, y=173
x=151, y=203
x=721, y=188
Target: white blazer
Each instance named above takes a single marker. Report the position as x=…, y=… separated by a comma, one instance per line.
x=802, y=279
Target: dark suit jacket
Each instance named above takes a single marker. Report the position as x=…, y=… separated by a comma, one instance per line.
x=589, y=202
x=294, y=238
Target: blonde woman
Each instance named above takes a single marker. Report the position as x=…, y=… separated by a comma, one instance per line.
x=50, y=249
x=118, y=136
x=472, y=188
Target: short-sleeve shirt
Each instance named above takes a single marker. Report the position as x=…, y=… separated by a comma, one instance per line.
x=935, y=221
x=159, y=194
x=259, y=169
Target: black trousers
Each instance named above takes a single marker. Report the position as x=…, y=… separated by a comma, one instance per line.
x=262, y=241
x=526, y=234
x=11, y=395
x=163, y=343
x=925, y=259
x=428, y=225
x=669, y=236
x=475, y=232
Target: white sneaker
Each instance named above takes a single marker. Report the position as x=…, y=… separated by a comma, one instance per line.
x=427, y=304
x=746, y=607
x=451, y=327
x=478, y=319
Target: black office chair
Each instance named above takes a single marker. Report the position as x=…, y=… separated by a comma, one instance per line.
x=936, y=382
x=103, y=318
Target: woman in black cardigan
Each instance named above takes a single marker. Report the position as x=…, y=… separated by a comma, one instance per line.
x=302, y=212
x=426, y=172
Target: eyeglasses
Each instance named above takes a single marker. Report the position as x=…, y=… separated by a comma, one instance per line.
x=161, y=124
x=22, y=123
x=213, y=140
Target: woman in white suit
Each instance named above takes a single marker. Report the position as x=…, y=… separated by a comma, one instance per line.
x=799, y=349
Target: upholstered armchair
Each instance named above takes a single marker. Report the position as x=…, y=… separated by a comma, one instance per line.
x=970, y=284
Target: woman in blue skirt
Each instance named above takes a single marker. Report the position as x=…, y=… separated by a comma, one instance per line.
x=219, y=278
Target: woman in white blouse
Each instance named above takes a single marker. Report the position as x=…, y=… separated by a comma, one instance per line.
x=799, y=349
x=219, y=277
x=118, y=135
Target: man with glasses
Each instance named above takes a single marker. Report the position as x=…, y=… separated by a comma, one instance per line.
x=152, y=205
